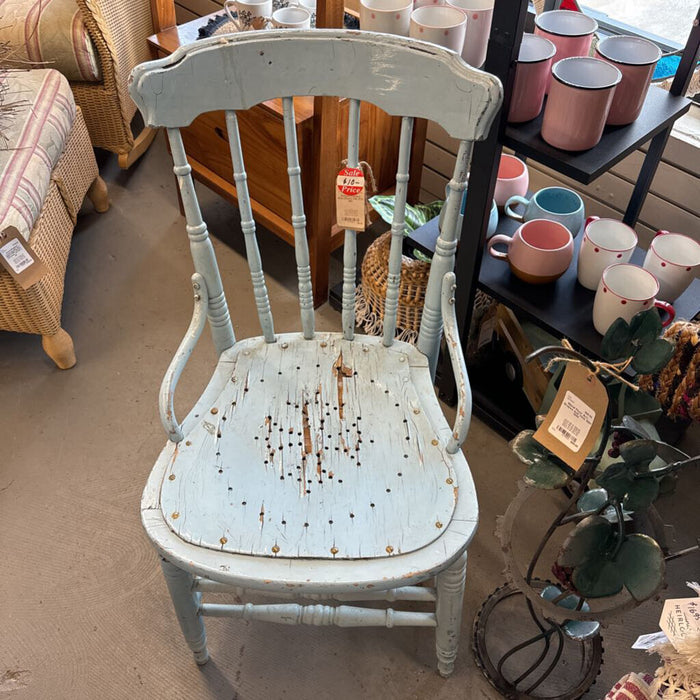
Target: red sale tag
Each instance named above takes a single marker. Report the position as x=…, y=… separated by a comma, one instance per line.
x=350, y=199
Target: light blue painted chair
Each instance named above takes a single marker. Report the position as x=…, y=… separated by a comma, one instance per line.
x=316, y=465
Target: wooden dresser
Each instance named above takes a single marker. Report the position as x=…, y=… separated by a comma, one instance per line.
x=321, y=128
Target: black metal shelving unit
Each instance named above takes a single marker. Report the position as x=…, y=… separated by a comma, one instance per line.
x=653, y=126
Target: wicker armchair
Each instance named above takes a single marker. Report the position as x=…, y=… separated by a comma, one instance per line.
x=95, y=44
x=119, y=31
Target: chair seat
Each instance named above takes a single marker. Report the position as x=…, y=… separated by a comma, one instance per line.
x=322, y=448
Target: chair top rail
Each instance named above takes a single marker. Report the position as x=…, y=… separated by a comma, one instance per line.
x=402, y=76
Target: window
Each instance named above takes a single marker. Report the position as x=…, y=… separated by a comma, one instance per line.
x=668, y=22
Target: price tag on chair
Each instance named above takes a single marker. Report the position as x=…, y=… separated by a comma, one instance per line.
x=575, y=419
x=350, y=199
x=18, y=258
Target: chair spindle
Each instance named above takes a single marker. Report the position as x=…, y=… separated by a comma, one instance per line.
x=398, y=224
x=301, y=244
x=201, y=248
x=240, y=177
x=350, y=244
x=443, y=259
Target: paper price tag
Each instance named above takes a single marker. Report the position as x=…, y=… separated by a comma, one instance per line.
x=18, y=258
x=573, y=423
x=680, y=619
x=350, y=199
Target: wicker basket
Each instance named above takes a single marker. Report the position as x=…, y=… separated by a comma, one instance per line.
x=371, y=293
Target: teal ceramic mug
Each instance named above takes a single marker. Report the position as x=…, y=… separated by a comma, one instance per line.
x=553, y=203
x=493, y=214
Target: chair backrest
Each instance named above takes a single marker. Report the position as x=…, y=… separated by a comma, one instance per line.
x=402, y=76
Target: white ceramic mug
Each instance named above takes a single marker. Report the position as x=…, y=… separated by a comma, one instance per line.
x=309, y=5
x=386, y=16
x=673, y=259
x=439, y=24
x=252, y=14
x=623, y=291
x=423, y=3
x=479, y=14
x=605, y=242
x=291, y=17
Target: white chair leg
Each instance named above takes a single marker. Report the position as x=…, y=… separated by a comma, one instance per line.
x=450, y=595
x=186, y=604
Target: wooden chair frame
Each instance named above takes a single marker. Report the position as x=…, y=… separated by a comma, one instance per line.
x=401, y=77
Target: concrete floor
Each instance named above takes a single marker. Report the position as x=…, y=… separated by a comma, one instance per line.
x=84, y=612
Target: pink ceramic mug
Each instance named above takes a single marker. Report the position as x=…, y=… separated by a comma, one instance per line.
x=513, y=178
x=571, y=33
x=540, y=251
x=673, y=259
x=479, y=14
x=636, y=59
x=623, y=291
x=439, y=24
x=531, y=76
x=579, y=101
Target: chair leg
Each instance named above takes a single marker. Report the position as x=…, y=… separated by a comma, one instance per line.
x=59, y=347
x=450, y=595
x=186, y=604
x=98, y=195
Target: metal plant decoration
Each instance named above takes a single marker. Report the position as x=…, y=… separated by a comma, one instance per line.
x=541, y=639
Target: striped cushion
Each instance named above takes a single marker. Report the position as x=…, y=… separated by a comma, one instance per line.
x=51, y=31
x=34, y=138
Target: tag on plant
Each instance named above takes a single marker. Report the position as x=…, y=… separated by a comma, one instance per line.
x=350, y=199
x=680, y=618
x=574, y=421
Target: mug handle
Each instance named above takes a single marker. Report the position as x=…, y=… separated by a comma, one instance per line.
x=512, y=201
x=665, y=306
x=227, y=5
x=499, y=238
x=588, y=221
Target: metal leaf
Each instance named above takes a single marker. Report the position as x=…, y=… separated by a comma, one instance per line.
x=617, y=341
x=588, y=541
x=545, y=474
x=635, y=427
x=575, y=629
x=640, y=405
x=645, y=326
x=597, y=579
x=592, y=500
x=526, y=449
x=653, y=356
x=616, y=479
x=641, y=564
x=641, y=494
x=638, y=452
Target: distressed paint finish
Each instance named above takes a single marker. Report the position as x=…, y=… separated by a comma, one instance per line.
x=201, y=248
x=400, y=75
x=459, y=366
x=182, y=355
x=350, y=244
x=443, y=260
x=301, y=245
x=262, y=301
x=450, y=598
x=306, y=454
x=316, y=465
x=398, y=226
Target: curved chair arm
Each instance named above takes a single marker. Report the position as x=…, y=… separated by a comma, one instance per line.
x=166, y=401
x=459, y=367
